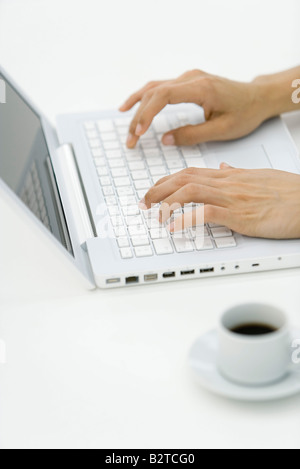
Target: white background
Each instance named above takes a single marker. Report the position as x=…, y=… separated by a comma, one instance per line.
x=107, y=369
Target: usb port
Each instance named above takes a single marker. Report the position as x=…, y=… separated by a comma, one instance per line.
x=169, y=275
x=150, y=277
x=187, y=272
x=207, y=271
x=111, y=281
x=132, y=280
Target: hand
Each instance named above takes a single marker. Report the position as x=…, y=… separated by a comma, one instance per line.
x=259, y=203
x=232, y=109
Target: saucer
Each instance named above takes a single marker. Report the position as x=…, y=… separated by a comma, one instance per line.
x=203, y=361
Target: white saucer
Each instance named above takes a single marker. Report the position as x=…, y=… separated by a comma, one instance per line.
x=202, y=360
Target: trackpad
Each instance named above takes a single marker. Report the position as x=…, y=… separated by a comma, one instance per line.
x=252, y=158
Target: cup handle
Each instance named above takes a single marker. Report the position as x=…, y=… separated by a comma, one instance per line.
x=295, y=351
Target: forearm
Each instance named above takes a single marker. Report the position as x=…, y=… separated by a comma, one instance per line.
x=280, y=92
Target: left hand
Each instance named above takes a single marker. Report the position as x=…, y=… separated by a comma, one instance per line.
x=262, y=203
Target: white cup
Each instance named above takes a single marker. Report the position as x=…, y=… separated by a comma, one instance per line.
x=255, y=360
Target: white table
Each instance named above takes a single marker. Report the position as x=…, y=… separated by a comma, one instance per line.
x=108, y=369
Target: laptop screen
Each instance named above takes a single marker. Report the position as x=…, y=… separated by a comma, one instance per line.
x=25, y=165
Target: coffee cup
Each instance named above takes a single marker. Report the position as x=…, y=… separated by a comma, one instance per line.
x=254, y=345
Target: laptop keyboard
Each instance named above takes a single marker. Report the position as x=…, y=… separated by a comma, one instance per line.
x=126, y=175
x=32, y=196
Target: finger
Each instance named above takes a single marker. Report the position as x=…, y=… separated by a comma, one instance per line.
x=204, y=173
x=193, y=193
x=212, y=214
x=173, y=93
x=213, y=130
x=172, y=184
x=136, y=97
x=133, y=138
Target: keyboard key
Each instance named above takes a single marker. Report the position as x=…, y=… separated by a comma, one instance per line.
x=131, y=210
x=125, y=191
x=153, y=223
x=119, y=172
x=136, y=175
x=102, y=171
x=127, y=200
x=195, y=163
x=163, y=246
x=137, y=230
x=105, y=181
x=171, y=154
x=141, y=194
x=159, y=233
x=123, y=121
x=158, y=171
x=112, y=200
x=113, y=210
x=140, y=241
x=143, y=251
x=108, y=136
x=155, y=161
x=126, y=253
x=142, y=184
x=117, y=163
x=100, y=161
x=89, y=125
x=191, y=151
x=111, y=154
x=146, y=144
x=152, y=152
x=96, y=152
x=105, y=125
x=116, y=221
x=155, y=179
x=225, y=242
x=183, y=244
x=95, y=143
x=91, y=134
x=120, y=231
x=119, y=182
x=111, y=145
x=123, y=243
x=221, y=232
x=134, y=158
x=203, y=244
x=108, y=190
x=133, y=221
x=214, y=225
x=175, y=164
x=198, y=231
x=134, y=166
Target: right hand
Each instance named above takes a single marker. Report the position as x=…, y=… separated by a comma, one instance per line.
x=232, y=109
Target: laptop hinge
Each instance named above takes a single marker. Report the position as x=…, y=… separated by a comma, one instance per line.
x=73, y=189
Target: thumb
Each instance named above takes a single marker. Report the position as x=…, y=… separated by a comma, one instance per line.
x=192, y=134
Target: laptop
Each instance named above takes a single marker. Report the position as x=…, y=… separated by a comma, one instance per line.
x=81, y=185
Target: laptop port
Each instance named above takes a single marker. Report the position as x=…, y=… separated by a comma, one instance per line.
x=169, y=275
x=111, y=281
x=255, y=265
x=132, y=280
x=187, y=272
x=150, y=277
x=207, y=271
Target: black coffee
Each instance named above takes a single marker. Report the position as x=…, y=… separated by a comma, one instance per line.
x=253, y=329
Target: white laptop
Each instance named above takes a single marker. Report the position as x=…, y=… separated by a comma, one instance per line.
x=81, y=185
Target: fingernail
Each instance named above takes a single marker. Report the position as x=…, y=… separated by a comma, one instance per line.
x=130, y=139
x=168, y=140
x=171, y=227
x=139, y=130
x=142, y=204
